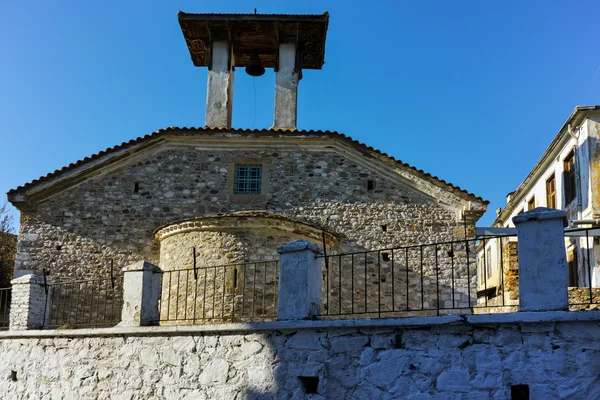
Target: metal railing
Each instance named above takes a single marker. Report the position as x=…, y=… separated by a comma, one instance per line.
x=5, y=295
x=421, y=279
x=498, y=292
x=226, y=293
x=84, y=303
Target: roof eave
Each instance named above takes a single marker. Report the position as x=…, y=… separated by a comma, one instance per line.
x=253, y=17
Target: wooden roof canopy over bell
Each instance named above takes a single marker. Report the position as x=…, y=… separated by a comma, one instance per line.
x=260, y=33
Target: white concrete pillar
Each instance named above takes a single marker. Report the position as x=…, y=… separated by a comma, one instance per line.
x=543, y=274
x=286, y=88
x=219, y=93
x=141, y=293
x=300, y=274
x=29, y=304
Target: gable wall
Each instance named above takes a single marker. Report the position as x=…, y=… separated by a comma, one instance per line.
x=107, y=220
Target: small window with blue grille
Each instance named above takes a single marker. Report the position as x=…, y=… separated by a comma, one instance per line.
x=247, y=179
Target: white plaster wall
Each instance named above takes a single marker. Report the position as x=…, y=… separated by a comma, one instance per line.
x=457, y=361
x=538, y=189
x=484, y=279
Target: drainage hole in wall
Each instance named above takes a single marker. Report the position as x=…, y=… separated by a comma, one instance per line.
x=519, y=392
x=13, y=376
x=398, y=341
x=310, y=383
x=59, y=247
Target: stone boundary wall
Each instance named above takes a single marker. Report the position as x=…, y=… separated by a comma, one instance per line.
x=556, y=354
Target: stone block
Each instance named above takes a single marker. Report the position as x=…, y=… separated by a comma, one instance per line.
x=349, y=344
x=543, y=274
x=389, y=366
x=141, y=294
x=29, y=302
x=214, y=372
x=454, y=380
x=306, y=340
x=300, y=274
x=383, y=341
x=506, y=336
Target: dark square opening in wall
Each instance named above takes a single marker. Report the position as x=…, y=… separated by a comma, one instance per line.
x=310, y=383
x=519, y=392
x=385, y=256
x=397, y=341
x=370, y=185
x=136, y=187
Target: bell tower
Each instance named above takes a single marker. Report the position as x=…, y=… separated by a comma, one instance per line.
x=286, y=43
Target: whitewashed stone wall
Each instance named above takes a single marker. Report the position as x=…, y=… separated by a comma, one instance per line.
x=27, y=308
x=462, y=361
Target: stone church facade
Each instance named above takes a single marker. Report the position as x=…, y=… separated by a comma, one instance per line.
x=119, y=204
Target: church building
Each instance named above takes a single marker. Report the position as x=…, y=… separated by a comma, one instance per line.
x=225, y=195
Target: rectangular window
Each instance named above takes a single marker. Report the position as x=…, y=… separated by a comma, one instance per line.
x=488, y=260
x=569, y=178
x=572, y=264
x=531, y=203
x=551, y=192
x=247, y=179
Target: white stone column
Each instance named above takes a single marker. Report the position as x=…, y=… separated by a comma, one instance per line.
x=141, y=293
x=219, y=93
x=300, y=274
x=286, y=88
x=29, y=305
x=543, y=274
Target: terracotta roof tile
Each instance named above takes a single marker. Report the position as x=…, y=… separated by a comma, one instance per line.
x=157, y=134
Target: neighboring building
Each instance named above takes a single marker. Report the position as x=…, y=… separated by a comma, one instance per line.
x=566, y=177
x=233, y=195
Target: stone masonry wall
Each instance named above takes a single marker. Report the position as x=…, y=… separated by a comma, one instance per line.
x=28, y=294
x=235, y=291
x=555, y=360
x=220, y=248
x=111, y=219
x=510, y=252
x=580, y=298
x=74, y=234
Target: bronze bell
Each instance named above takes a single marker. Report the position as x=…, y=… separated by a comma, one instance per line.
x=255, y=67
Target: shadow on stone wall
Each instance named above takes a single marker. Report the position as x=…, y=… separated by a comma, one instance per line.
x=425, y=279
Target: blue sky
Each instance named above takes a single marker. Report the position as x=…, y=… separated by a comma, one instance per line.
x=470, y=91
